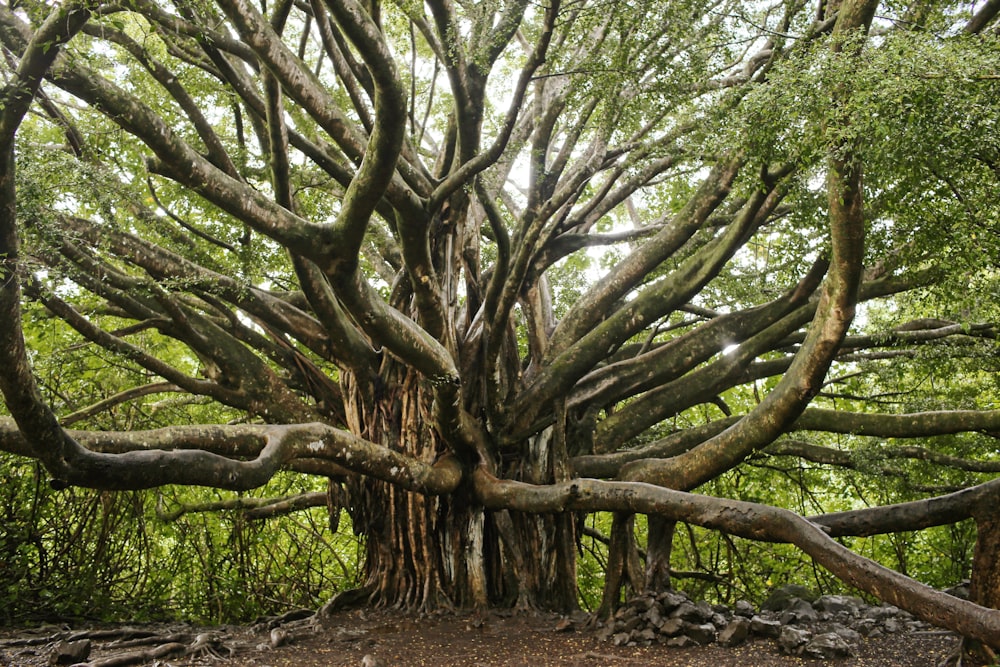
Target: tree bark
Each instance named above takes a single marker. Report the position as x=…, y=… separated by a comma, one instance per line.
x=985, y=586
x=753, y=521
x=660, y=542
x=421, y=551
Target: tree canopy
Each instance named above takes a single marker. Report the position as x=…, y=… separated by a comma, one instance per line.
x=490, y=266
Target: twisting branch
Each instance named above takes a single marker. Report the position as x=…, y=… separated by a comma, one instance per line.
x=237, y=458
x=17, y=384
x=752, y=521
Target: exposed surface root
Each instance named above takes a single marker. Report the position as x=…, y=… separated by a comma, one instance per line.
x=970, y=653
x=120, y=647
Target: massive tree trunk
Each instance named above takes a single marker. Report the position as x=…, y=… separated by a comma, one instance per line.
x=430, y=551
x=985, y=587
x=421, y=551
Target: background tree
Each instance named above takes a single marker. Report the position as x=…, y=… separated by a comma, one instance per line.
x=489, y=266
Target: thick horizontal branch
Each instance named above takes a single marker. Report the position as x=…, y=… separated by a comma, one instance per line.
x=915, y=515
x=849, y=459
x=911, y=425
x=753, y=521
x=228, y=457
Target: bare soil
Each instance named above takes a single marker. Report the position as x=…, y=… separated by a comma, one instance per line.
x=388, y=639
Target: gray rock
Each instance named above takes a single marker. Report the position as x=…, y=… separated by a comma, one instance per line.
x=70, y=653
x=671, y=627
x=278, y=637
x=703, y=633
x=646, y=635
x=765, y=627
x=621, y=639
x=959, y=590
x=849, y=635
x=643, y=602
x=654, y=615
x=782, y=597
x=865, y=626
x=839, y=604
x=893, y=625
x=626, y=612
x=799, y=612
x=680, y=641
x=736, y=632
x=691, y=612
x=671, y=600
x=792, y=640
x=882, y=612
x=825, y=627
x=827, y=645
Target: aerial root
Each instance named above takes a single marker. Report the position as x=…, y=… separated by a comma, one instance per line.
x=967, y=649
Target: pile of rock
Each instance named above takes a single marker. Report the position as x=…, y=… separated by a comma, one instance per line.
x=801, y=623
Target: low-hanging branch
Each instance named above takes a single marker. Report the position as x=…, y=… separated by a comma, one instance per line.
x=252, y=508
x=850, y=459
x=752, y=521
x=237, y=457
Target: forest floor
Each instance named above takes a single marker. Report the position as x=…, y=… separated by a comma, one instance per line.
x=392, y=639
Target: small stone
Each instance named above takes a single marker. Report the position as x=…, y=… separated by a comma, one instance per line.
x=705, y=610
x=642, y=603
x=702, y=634
x=849, y=635
x=278, y=637
x=782, y=597
x=621, y=639
x=631, y=624
x=799, y=612
x=680, y=641
x=881, y=613
x=765, y=627
x=69, y=653
x=865, y=626
x=838, y=604
x=671, y=627
x=671, y=600
x=959, y=590
x=645, y=635
x=693, y=613
x=626, y=613
x=792, y=640
x=743, y=608
x=893, y=625
x=685, y=610
x=736, y=632
x=827, y=645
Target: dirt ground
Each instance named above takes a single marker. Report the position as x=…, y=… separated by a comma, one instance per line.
x=526, y=640
x=387, y=639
